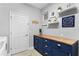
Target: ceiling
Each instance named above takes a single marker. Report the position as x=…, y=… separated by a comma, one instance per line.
x=39, y=5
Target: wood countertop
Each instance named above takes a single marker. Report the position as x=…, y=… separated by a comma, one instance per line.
x=58, y=39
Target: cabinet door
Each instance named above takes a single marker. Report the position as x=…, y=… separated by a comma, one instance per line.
x=41, y=44
x=46, y=50
x=36, y=43
x=57, y=52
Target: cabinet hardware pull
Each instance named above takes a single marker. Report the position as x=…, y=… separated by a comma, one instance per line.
x=46, y=46
x=46, y=40
x=58, y=44
x=46, y=53
x=69, y=54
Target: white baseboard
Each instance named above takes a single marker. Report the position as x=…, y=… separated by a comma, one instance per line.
x=31, y=48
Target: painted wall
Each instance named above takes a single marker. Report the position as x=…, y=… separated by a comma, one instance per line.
x=18, y=9
x=4, y=20
x=61, y=31
x=65, y=32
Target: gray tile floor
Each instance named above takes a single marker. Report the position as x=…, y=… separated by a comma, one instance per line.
x=28, y=53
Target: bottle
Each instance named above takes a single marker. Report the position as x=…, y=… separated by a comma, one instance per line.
x=40, y=31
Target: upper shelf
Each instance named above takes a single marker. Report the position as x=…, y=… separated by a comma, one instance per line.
x=69, y=11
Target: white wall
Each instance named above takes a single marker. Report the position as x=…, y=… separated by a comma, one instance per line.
x=66, y=32
x=4, y=20
x=18, y=9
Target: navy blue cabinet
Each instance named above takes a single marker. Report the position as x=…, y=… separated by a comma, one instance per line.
x=53, y=48
x=58, y=52
x=36, y=43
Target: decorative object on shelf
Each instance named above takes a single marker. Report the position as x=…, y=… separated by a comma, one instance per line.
x=69, y=11
x=53, y=26
x=35, y=22
x=46, y=15
x=68, y=21
x=40, y=31
x=69, y=5
x=52, y=14
x=53, y=20
x=59, y=9
x=44, y=25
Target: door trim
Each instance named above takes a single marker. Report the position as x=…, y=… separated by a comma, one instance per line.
x=10, y=31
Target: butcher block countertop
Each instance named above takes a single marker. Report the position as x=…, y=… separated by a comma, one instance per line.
x=58, y=39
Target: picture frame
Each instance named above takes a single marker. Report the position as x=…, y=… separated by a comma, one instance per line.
x=68, y=21
x=46, y=15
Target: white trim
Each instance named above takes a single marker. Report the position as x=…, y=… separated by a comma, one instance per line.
x=30, y=48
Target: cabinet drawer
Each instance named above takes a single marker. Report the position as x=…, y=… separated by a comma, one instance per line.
x=51, y=44
x=47, y=52
x=58, y=45
x=66, y=48
x=57, y=52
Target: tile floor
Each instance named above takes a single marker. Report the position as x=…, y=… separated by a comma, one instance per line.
x=28, y=53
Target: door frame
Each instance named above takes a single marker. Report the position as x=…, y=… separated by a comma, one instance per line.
x=10, y=31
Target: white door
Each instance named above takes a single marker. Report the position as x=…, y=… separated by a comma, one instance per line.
x=19, y=33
